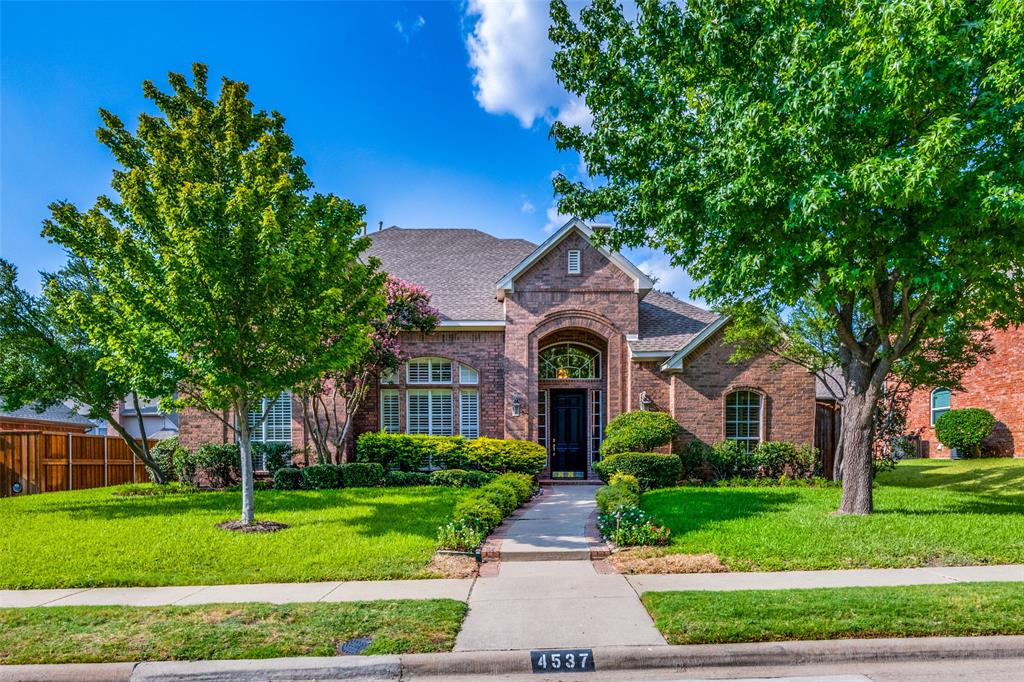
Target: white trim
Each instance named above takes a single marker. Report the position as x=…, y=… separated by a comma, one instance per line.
x=941, y=410
x=649, y=354
x=643, y=283
x=676, y=361
x=574, y=264
x=471, y=325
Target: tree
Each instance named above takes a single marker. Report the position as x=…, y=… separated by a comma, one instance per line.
x=332, y=400
x=865, y=156
x=217, y=254
x=47, y=359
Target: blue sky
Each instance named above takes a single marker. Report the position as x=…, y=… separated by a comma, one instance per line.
x=430, y=114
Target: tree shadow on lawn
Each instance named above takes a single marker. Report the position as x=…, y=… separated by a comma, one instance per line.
x=992, y=480
x=376, y=515
x=977, y=505
x=694, y=508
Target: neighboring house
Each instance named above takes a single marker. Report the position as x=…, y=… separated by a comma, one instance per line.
x=56, y=418
x=547, y=343
x=159, y=425
x=995, y=384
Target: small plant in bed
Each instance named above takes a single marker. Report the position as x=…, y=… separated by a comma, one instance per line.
x=632, y=526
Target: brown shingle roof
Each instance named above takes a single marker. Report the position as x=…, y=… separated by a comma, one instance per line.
x=458, y=267
x=54, y=413
x=668, y=324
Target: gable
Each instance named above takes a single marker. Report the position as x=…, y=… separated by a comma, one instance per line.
x=600, y=268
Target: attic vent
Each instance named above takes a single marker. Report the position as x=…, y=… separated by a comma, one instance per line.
x=574, y=262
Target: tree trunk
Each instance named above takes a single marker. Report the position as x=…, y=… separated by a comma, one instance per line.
x=159, y=475
x=138, y=450
x=245, y=449
x=855, y=440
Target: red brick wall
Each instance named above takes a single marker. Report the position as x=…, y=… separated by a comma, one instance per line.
x=196, y=427
x=698, y=395
x=997, y=385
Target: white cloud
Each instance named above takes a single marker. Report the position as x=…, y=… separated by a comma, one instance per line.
x=510, y=55
x=407, y=32
x=670, y=278
x=528, y=208
x=554, y=219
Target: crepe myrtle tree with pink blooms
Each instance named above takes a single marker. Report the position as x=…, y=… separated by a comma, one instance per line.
x=331, y=402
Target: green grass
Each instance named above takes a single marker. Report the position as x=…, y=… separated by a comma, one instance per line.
x=94, y=634
x=963, y=609
x=927, y=512
x=92, y=538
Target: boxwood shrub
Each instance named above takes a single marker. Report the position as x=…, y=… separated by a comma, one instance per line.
x=483, y=509
x=165, y=453
x=287, y=478
x=652, y=470
x=479, y=513
x=409, y=453
x=503, y=456
x=460, y=478
x=212, y=464
x=321, y=477
x=965, y=429
x=639, y=432
x=362, y=475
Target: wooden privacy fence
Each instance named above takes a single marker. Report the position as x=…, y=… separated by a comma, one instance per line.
x=43, y=462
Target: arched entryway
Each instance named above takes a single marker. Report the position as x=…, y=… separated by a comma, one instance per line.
x=572, y=374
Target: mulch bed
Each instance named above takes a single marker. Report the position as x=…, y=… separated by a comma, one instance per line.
x=646, y=560
x=256, y=527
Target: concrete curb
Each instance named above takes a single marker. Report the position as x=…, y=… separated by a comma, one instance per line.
x=446, y=665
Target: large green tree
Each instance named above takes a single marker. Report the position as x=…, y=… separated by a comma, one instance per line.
x=46, y=357
x=215, y=252
x=868, y=156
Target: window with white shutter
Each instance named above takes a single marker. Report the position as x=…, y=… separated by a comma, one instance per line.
x=277, y=427
x=429, y=412
x=468, y=375
x=574, y=262
x=428, y=371
x=390, y=421
x=469, y=414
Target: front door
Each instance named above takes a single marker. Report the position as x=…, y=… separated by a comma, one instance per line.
x=568, y=434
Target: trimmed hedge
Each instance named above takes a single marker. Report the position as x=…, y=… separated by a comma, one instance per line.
x=362, y=475
x=639, y=432
x=212, y=464
x=482, y=510
x=728, y=459
x=165, y=453
x=287, y=478
x=322, y=477
x=409, y=453
x=652, y=470
x=965, y=429
x=460, y=478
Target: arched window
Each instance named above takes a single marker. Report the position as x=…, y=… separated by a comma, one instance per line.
x=940, y=403
x=570, y=361
x=743, y=418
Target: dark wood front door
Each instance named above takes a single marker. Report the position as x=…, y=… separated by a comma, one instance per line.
x=569, y=433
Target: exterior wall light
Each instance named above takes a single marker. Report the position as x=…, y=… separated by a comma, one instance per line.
x=517, y=406
x=645, y=401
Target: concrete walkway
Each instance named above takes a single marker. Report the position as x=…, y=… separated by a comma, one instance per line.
x=550, y=528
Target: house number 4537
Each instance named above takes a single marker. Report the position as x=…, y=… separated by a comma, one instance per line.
x=562, y=660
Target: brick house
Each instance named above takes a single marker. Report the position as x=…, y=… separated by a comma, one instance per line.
x=549, y=342
x=995, y=384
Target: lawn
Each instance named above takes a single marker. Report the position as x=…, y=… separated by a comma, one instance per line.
x=963, y=609
x=93, y=538
x=927, y=512
x=93, y=634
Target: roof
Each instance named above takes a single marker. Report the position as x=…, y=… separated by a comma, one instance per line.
x=834, y=377
x=457, y=266
x=642, y=281
x=667, y=324
x=54, y=413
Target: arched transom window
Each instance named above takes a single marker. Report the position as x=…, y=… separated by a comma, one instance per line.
x=570, y=361
x=743, y=418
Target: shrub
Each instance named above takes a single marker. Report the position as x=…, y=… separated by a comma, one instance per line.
x=628, y=481
x=611, y=498
x=503, y=456
x=630, y=526
x=276, y=455
x=287, y=478
x=399, y=479
x=729, y=458
x=696, y=458
x=771, y=458
x=479, y=513
x=409, y=453
x=459, y=478
x=525, y=485
x=639, y=432
x=362, y=475
x=322, y=477
x=212, y=464
x=652, y=470
x=460, y=537
x=501, y=495
x=165, y=453
x=965, y=429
